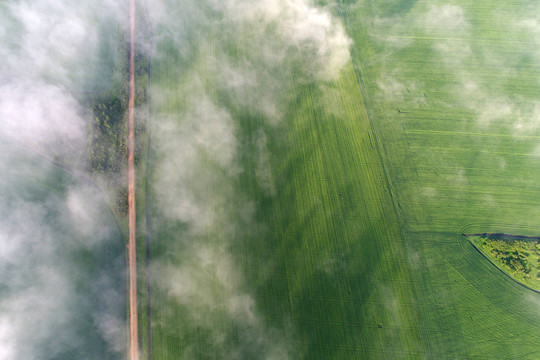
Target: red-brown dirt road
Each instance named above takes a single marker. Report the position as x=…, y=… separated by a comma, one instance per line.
x=132, y=255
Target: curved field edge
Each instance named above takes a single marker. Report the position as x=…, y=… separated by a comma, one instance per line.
x=515, y=250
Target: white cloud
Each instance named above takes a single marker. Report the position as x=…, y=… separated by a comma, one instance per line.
x=40, y=114
x=240, y=72
x=204, y=136
x=446, y=19
x=51, y=223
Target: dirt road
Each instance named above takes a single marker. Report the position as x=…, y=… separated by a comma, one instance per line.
x=132, y=255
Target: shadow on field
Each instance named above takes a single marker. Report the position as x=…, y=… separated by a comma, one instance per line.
x=314, y=266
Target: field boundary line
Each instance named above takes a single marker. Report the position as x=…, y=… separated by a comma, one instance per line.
x=462, y=133
x=420, y=147
x=379, y=147
x=146, y=182
x=466, y=236
x=454, y=39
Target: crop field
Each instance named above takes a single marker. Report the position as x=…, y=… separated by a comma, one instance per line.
x=304, y=257
x=330, y=179
x=452, y=90
x=336, y=230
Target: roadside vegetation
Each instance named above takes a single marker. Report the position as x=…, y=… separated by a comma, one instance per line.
x=106, y=152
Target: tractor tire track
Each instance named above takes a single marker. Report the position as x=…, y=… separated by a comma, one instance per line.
x=147, y=190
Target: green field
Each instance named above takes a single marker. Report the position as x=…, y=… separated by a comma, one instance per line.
x=451, y=91
x=297, y=216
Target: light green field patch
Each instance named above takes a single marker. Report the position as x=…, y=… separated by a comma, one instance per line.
x=518, y=258
x=452, y=95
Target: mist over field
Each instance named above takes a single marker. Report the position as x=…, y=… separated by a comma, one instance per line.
x=466, y=62
x=307, y=172
x=235, y=67
x=451, y=112
x=61, y=253
x=483, y=73
x=61, y=257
